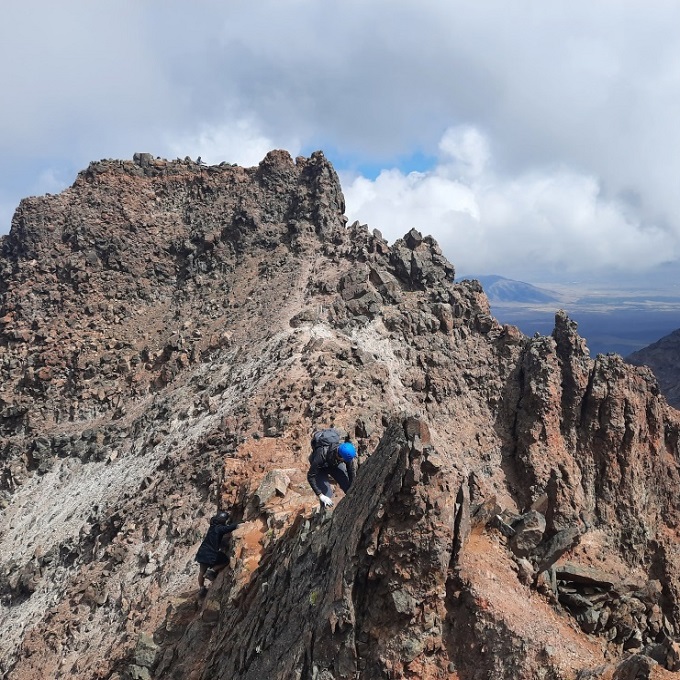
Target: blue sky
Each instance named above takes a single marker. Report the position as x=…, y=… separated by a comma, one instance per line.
x=537, y=140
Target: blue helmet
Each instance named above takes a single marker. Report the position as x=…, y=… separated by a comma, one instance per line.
x=347, y=451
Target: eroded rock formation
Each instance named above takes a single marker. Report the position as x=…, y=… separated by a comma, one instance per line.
x=170, y=336
x=663, y=357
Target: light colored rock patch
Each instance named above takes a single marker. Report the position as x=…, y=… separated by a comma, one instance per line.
x=374, y=339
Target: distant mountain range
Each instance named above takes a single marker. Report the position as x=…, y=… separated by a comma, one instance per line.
x=662, y=356
x=610, y=319
x=500, y=289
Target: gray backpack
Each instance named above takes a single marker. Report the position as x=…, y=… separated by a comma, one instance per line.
x=325, y=439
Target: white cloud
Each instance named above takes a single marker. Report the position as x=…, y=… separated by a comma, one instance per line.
x=568, y=98
x=545, y=222
x=51, y=181
x=76, y=77
x=238, y=142
x=465, y=149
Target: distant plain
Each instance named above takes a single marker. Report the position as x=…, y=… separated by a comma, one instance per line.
x=611, y=320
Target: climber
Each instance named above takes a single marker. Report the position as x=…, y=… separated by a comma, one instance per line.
x=330, y=457
x=211, y=555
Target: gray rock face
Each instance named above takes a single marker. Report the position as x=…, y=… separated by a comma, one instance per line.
x=556, y=546
x=335, y=604
x=663, y=357
x=529, y=530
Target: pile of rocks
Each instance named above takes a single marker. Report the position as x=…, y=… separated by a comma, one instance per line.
x=627, y=614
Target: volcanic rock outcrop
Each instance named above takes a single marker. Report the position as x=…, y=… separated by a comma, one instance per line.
x=663, y=357
x=170, y=336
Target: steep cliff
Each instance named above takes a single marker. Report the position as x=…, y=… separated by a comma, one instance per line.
x=663, y=357
x=170, y=336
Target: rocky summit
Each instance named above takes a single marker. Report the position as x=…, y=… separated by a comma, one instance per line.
x=171, y=335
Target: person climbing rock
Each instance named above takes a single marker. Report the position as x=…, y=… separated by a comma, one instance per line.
x=211, y=555
x=332, y=458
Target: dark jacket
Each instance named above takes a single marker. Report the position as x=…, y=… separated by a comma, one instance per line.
x=209, y=551
x=322, y=459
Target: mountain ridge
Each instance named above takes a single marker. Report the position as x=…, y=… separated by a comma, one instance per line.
x=170, y=336
x=501, y=289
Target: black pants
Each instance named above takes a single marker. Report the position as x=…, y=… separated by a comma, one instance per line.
x=338, y=473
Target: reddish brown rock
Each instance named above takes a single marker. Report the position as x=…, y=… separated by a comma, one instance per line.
x=171, y=334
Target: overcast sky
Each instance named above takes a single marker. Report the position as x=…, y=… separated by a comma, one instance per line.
x=536, y=140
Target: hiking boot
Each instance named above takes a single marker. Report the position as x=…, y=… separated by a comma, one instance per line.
x=211, y=574
x=203, y=592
